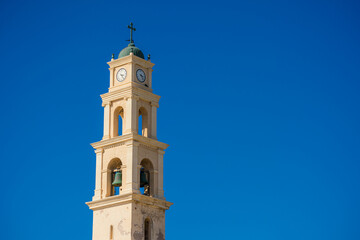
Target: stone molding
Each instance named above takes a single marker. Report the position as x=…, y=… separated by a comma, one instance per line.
x=160, y=151
x=99, y=150
x=130, y=92
x=154, y=104
x=128, y=198
x=132, y=144
x=107, y=143
x=114, y=145
x=130, y=59
x=146, y=147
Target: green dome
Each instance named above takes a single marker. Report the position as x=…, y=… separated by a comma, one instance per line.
x=131, y=48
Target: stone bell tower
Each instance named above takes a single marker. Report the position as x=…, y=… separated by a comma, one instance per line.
x=129, y=202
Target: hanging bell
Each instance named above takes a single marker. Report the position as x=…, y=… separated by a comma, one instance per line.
x=117, y=179
x=143, y=178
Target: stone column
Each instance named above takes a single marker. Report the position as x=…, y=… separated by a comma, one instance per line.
x=106, y=121
x=98, y=179
x=154, y=107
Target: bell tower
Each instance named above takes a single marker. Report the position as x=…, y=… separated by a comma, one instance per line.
x=128, y=201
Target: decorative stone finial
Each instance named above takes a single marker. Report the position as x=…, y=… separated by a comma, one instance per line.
x=148, y=57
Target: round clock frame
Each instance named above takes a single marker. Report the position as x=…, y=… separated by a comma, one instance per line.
x=121, y=74
x=140, y=75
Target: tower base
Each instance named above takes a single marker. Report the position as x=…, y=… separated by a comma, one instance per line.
x=129, y=217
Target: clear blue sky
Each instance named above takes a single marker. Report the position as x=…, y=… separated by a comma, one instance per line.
x=260, y=106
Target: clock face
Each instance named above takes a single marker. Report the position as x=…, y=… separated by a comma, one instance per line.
x=121, y=75
x=140, y=74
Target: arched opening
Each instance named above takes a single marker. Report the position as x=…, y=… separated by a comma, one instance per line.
x=147, y=229
x=143, y=122
x=118, y=121
x=115, y=177
x=146, y=177
x=140, y=125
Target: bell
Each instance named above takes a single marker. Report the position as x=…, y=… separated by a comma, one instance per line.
x=117, y=179
x=143, y=178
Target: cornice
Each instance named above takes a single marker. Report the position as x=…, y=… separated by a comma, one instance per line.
x=161, y=203
x=130, y=59
x=150, y=142
x=145, y=95
x=128, y=198
x=130, y=91
x=130, y=137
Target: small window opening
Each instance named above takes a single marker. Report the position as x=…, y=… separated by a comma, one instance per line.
x=111, y=233
x=147, y=230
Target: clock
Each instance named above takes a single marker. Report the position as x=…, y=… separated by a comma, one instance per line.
x=140, y=75
x=121, y=75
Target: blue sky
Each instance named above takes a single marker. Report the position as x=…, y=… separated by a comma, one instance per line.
x=260, y=106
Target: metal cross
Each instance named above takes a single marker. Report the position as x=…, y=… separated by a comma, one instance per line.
x=131, y=32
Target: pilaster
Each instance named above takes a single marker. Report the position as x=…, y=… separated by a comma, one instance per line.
x=106, y=120
x=131, y=115
x=154, y=107
x=98, y=177
x=160, y=174
x=131, y=182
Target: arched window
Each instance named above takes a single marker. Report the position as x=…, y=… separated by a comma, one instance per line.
x=120, y=124
x=140, y=125
x=114, y=177
x=146, y=177
x=147, y=230
x=118, y=121
x=143, y=122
